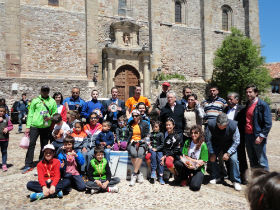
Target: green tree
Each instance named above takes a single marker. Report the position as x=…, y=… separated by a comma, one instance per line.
x=238, y=63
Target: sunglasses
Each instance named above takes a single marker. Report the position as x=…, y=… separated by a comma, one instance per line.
x=195, y=132
x=135, y=116
x=94, y=118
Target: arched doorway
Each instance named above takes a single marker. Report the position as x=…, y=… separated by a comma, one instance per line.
x=126, y=78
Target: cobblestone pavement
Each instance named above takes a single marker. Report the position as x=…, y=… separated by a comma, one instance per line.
x=14, y=195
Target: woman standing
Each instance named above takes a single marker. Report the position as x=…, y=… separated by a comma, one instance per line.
x=193, y=114
x=191, y=165
x=138, y=131
x=61, y=109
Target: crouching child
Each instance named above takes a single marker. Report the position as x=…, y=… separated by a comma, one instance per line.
x=99, y=174
x=71, y=162
x=49, y=183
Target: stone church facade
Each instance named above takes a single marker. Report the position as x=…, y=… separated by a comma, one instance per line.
x=104, y=43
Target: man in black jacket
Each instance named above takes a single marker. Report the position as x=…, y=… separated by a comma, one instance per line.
x=236, y=112
x=114, y=108
x=174, y=111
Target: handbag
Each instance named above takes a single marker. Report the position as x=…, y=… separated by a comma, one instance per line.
x=24, y=142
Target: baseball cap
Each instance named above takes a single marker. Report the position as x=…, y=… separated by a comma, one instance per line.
x=45, y=87
x=166, y=84
x=48, y=146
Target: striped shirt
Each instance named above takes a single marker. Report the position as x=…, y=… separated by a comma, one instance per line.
x=213, y=108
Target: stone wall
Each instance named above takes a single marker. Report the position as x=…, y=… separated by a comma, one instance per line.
x=53, y=43
x=32, y=88
x=2, y=40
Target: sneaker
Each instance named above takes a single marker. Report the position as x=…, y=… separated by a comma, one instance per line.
x=113, y=189
x=140, y=178
x=36, y=196
x=133, y=180
x=60, y=194
x=26, y=169
x=215, y=181
x=93, y=191
x=4, y=168
x=153, y=175
x=161, y=181
x=237, y=186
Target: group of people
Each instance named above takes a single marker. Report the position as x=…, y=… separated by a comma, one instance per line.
x=186, y=138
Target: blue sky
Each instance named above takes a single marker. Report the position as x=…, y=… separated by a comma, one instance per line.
x=270, y=29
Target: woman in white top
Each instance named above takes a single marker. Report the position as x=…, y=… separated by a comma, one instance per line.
x=61, y=109
x=193, y=114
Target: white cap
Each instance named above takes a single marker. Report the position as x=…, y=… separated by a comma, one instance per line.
x=48, y=146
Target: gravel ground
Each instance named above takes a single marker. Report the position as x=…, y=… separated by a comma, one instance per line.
x=14, y=194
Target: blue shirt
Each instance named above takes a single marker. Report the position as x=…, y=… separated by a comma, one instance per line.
x=89, y=106
x=72, y=102
x=107, y=137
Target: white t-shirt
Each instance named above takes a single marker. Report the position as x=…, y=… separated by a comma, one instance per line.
x=64, y=127
x=194, y=153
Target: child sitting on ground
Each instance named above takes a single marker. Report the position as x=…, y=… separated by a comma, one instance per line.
x=99, y=174
x=49, y=183
x=105, y=139
x=79, y=135
x=71, y=161
x=5, y=127
x=155, y=153
x=61, y=129
x=122, y=134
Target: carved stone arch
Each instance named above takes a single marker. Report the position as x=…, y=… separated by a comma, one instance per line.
x=126, y=78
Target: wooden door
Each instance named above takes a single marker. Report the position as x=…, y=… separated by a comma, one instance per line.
x=126, y=79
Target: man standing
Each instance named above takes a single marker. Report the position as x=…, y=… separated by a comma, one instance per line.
x=74, y=102
x=93, y=105
x=186, y=92
x=258, y=125
x=236, y=112
x=132, y=102
x=114, y=108
x=21, y=108
x=173, y=110
x=214, y=105
x=162, y=98
x=38, y=124
x=222, y=139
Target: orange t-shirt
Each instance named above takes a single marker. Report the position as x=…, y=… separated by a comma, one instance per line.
x=131, y=102
x=136, y=136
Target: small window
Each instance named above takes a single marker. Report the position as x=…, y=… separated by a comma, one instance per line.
x=275, y=89
x=122, y=7
x=178, y=12
x=226, y=18
x=53, y=3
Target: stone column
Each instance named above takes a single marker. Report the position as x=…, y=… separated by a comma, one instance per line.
x=109, y=75
x=147, y=79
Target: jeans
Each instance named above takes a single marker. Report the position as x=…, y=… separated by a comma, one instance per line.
x=20, y=117
x=4, y=151
x=36, y=187
x=76, y=182
x=107, y=154
x=44, y=134
x=155, y=162
x=256, y=152
x=88, y=156
x=233, y=167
